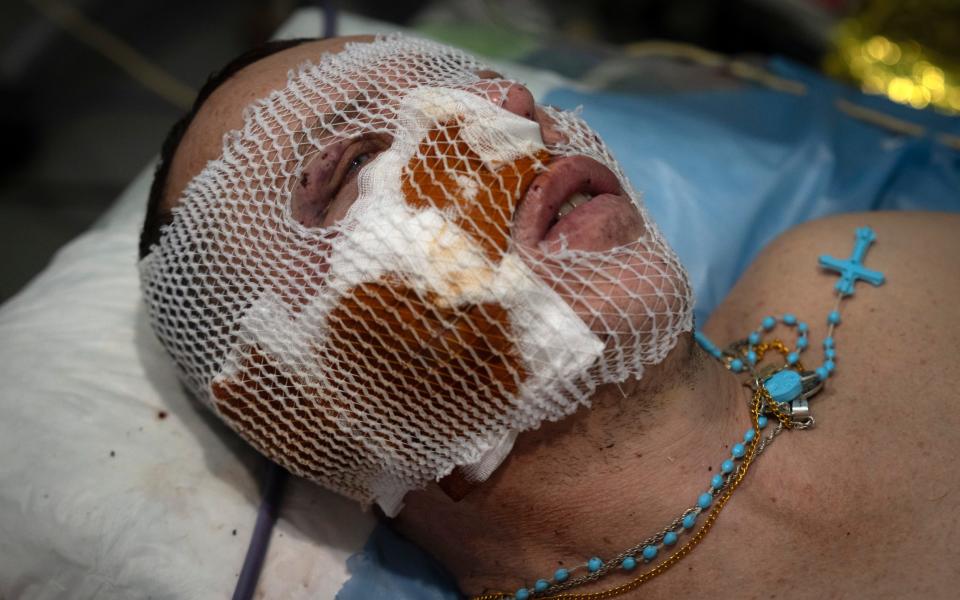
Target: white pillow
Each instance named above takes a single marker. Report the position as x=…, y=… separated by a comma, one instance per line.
x=112, y=483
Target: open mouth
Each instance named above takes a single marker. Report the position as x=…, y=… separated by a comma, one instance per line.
x=580, y=201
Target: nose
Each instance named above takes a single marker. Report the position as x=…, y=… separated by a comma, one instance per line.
x=508, y=95
x=516, y=98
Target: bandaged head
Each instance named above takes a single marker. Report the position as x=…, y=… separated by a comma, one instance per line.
x=481, y=277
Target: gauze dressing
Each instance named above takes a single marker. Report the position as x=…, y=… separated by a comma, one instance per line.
x=415, y=335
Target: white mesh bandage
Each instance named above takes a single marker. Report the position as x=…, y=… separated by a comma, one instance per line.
x=420, y=330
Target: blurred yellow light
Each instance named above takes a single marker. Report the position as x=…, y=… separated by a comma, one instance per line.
x=953, y=99
x=874, y=84
x=858, y=66
x=892, y=55
x=877, y=47
x=919, y=97
x=900, y=89
x=899, y=68
x=933, y=78
x=919, y=67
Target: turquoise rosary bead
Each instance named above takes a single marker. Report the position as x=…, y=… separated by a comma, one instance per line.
x=629, y=563
x=649, y=553
x=784, y=386
x=541, y=585
x=669, y=538
x=594, y=564
x=705, y=500
x=726, y=466
x=561, y=575
x=716, y=482
x=690, y=520
x=522, y=594
x=738, y=451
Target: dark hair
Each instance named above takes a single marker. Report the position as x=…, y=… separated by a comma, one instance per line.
x=156, y=217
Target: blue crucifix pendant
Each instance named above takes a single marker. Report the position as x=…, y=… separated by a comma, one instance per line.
x=852, y=269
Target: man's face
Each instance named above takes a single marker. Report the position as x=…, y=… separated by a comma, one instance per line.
x=395, y=258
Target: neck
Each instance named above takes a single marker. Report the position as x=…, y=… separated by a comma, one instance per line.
x=595, y=483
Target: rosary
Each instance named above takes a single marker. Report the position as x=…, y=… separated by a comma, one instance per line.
x=780, y=392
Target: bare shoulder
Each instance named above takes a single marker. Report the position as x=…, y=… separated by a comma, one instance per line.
x=886, y=440
x=919, y=252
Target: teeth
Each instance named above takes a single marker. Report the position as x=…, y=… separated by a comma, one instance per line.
x=572, y=202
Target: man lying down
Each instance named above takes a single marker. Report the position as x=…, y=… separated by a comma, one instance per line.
x=389, y=270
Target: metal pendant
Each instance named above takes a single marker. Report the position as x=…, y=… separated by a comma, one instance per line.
x=792, y=389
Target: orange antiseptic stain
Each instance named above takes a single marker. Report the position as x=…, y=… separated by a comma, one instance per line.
x=254, y=403
x=436, y=176
x=427, y=357
x=421, y=368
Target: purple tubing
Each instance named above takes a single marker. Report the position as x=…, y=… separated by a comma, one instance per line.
x=266, y=517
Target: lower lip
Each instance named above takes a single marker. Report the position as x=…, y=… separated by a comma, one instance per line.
x=606, y=221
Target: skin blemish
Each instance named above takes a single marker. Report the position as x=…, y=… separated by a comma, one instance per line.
x=162, y=414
